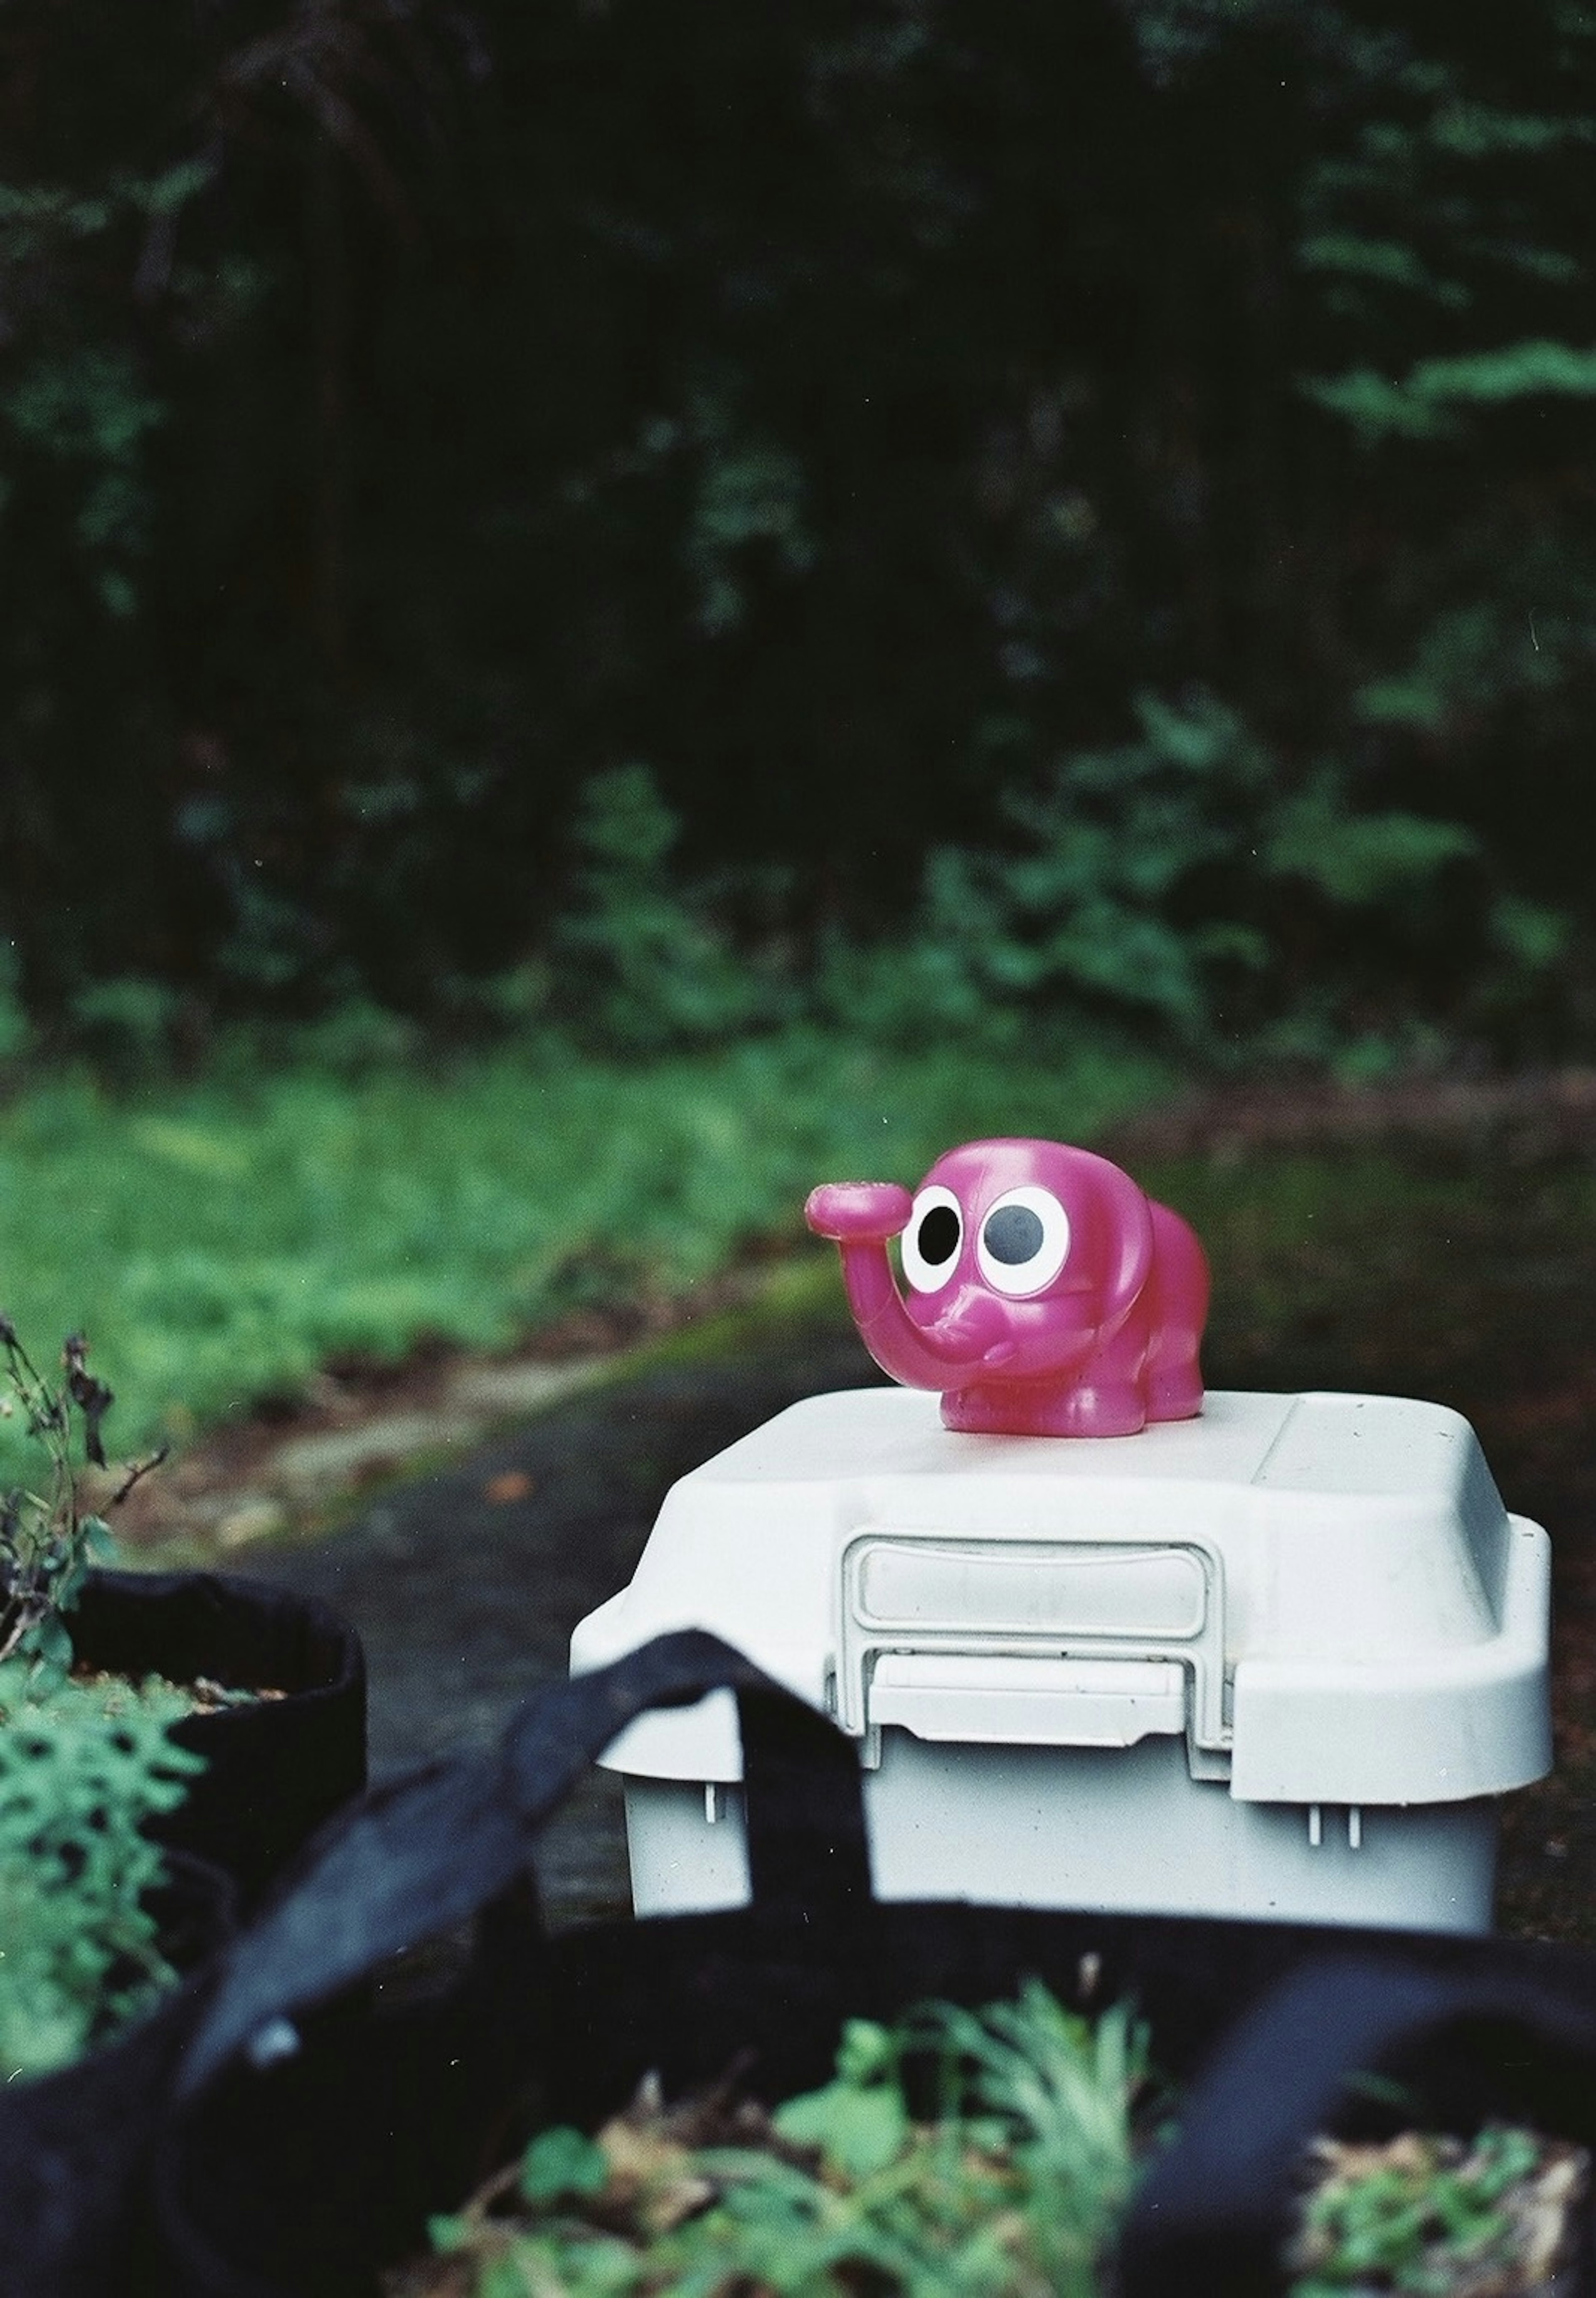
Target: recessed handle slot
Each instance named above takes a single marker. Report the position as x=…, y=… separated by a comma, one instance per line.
x=1028, y=1702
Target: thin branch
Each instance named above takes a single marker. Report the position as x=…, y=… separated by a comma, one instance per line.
x=136, y=1471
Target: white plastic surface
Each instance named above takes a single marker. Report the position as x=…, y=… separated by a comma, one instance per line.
x=1023, y=1827
x=1146, y=1643
x=1029, y=1703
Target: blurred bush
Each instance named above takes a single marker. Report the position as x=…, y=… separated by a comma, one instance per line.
x=1083, y=502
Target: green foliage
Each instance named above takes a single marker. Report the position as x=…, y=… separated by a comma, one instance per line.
x=84, y=1762
x=126, y=1025
x=16, y=1032
x=77, y=411
x=1429, y=402
x=859, y=2123
x=748, y=492
x=1063, y=2089
x=358, y=1038
x=1018, y=2186
x=1472, y=658
x=1359, y=860
x=1426, y=2215
x=1088, y=903
x=911, y=382
x=1156, y=879
x=1015, y=2188
x=80, y=1771
x=645, y=963
x=561, y=2164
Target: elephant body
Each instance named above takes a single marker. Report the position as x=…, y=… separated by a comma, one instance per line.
x=1046, y=1294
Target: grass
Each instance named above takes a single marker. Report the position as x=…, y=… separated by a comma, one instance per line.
x=221, y=1239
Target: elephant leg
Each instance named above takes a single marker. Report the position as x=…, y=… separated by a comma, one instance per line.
x=1034, y=1408
x=1178, y=1308
x=1108, y=1395
x=1175, y=1386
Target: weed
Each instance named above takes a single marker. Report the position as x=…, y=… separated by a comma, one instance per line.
x=84, y=1763
x=1436, y=2216
x=1016, y=2188
x=46, y=1545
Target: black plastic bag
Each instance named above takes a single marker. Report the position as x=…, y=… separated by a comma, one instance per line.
x=282, y=2128
x=75, y=2145
x=312, y=2132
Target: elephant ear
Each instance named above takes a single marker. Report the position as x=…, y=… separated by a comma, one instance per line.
x=1127, y=1220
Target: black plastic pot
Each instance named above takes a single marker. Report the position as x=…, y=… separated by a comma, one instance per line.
x=74, y=2144
x=276, y=1768
x=195, y=1910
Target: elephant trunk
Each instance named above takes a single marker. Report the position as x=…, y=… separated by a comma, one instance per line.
x=945, y=1351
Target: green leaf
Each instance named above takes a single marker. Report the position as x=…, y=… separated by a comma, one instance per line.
x=1476, y=131
x=1424, y=403
x=562, y=2160
x=1361, y=858
x=856, y=2131
x=1385, y=262
x=448, y=2233
x=866, y=2052
x=1531, y=933
x=49, y=1645
x=1410, y=701
x=1376, y=406
x=1513, y=371
x=99, y=1538
x=82, y=1768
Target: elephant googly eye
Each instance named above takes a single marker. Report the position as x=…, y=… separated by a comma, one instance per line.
x=929, y=1245
x=1024, y=1241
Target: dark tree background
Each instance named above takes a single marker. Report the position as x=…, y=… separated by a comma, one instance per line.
x=1099, y=495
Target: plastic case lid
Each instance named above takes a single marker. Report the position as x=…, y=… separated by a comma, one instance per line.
x=1323, y=1592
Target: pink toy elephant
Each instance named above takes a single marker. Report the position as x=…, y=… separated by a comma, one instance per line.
x=1047, y=1295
